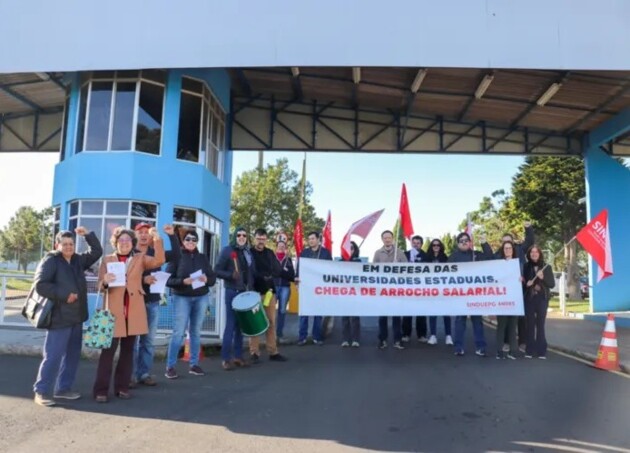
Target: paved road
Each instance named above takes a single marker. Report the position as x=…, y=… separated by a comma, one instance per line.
x=329, y=399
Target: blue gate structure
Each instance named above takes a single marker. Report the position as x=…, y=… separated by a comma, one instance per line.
x=146, y=105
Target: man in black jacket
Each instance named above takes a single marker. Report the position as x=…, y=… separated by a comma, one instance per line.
x=60, y=277
x=415, y=255
x=267, y=268
x=144, y=350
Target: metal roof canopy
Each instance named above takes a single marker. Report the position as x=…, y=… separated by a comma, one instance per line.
x=371, y=109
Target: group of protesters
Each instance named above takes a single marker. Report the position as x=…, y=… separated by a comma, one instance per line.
x=243, y=267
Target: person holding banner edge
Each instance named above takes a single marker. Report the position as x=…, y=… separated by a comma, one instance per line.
x=437, y=254
x=351, y=325
x=415, y=255
x=389, y=253
x=315, y=251
x=506, y=325
x=465, y=253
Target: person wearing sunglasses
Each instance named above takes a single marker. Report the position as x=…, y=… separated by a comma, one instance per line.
x=415, y=255
x=465, y=253
x=126, y=304
x=436, y=254
x=237, y=269
x=190, y=300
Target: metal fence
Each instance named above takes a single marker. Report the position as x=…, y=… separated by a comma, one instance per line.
x=14, y=290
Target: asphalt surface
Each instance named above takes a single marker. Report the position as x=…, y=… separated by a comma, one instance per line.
x=331, y=399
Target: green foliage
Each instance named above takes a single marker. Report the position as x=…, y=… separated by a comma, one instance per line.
x=22, y=238
x=270, y=198
x=449, y=241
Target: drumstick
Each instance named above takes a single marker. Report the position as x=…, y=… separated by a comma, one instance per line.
x=234, y=256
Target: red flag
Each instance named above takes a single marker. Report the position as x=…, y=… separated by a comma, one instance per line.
x=403, y=212
x=298, y=237
x=359, y=228
x=595, y=238
x=327, y=234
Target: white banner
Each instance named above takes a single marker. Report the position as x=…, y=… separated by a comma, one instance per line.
x=336, y=288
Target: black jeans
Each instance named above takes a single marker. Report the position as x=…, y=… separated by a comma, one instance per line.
x=382, y=328
x=536, y=313
x=421, y=326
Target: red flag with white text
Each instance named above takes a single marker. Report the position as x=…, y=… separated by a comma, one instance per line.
x=595, y=238
x=361, y=228
x=405, y=215
x=327, y=234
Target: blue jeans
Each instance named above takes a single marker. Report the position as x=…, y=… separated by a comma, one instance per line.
x=144, y=348
x=396, y=328
x=433, y=325
x=460, y=331
x=188, y=311
x=232, y=345
x=317, y=328
x=62, y=351
x=283, y=293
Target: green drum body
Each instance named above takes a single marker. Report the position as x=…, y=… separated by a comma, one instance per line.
x=251, y=317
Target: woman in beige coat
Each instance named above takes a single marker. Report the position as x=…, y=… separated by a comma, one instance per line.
x=126, y=303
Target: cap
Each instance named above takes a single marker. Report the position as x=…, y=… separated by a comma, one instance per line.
x=142, y=225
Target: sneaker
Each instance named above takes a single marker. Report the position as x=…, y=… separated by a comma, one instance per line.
x=254, y=359
x=480, y=352
x=542, y=357
x=405, y=339
x=449, y=340
x=277, y=358
x=527, y=356
x=423, y=339
x=499, y=355
x=398, y=345
x=459, y=352
x=171, y=373
x=228, y=365
x=67, y=395
x=506, y=347
x=43, y=400
x=522, y=348
x=345, y=344
x=432, y=340
x=382, y=344
x=355, y=344
x=510, y=356
x=301, y=343
x=318, y=342
x=196, y=370
x=148, y=381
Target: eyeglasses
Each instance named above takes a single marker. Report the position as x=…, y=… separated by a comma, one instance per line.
x=464, y=241
x=190, y=239
x=241, y=235
x=124, y=241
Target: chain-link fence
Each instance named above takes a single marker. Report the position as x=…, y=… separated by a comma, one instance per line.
x=15, y=288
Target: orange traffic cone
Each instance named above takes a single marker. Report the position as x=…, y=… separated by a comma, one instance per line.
x=186, y=357
x=608, y=354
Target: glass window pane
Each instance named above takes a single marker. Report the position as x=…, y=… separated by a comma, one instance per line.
x=189, y=128
x=215, y=130
x=117, y=208
x=74, y=208
x=94, y=224
x=72, y=224
x=111, y=223
x=99, y=113
x=123, y=115
x=192, y=85
x=91, y=208
x=149, y=130
x=181, y=215
x=81, y=122
x=145, y=210
x=127, y=74
x=56, y=213
x=155, y=75
x=204, y=124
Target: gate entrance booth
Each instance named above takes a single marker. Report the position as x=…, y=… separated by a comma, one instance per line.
x=145, y=108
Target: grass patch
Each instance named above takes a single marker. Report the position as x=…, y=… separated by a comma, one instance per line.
x=575, y=306
x=9, y=272
x=19, y=284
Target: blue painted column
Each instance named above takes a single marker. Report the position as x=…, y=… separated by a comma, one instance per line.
x=608, y=187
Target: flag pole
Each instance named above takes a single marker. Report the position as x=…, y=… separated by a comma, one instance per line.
x=397, y=228
x=554, y=257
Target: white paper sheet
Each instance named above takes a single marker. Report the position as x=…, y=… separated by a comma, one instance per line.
x=119, y=270
x=160, y=285
x=196, y=283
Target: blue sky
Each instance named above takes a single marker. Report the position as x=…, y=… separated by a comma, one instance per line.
x=441, y=189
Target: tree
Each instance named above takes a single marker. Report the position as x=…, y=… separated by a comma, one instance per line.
x=269, y=198
x=26, y=236
x=449, y=242
x=549, y=189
